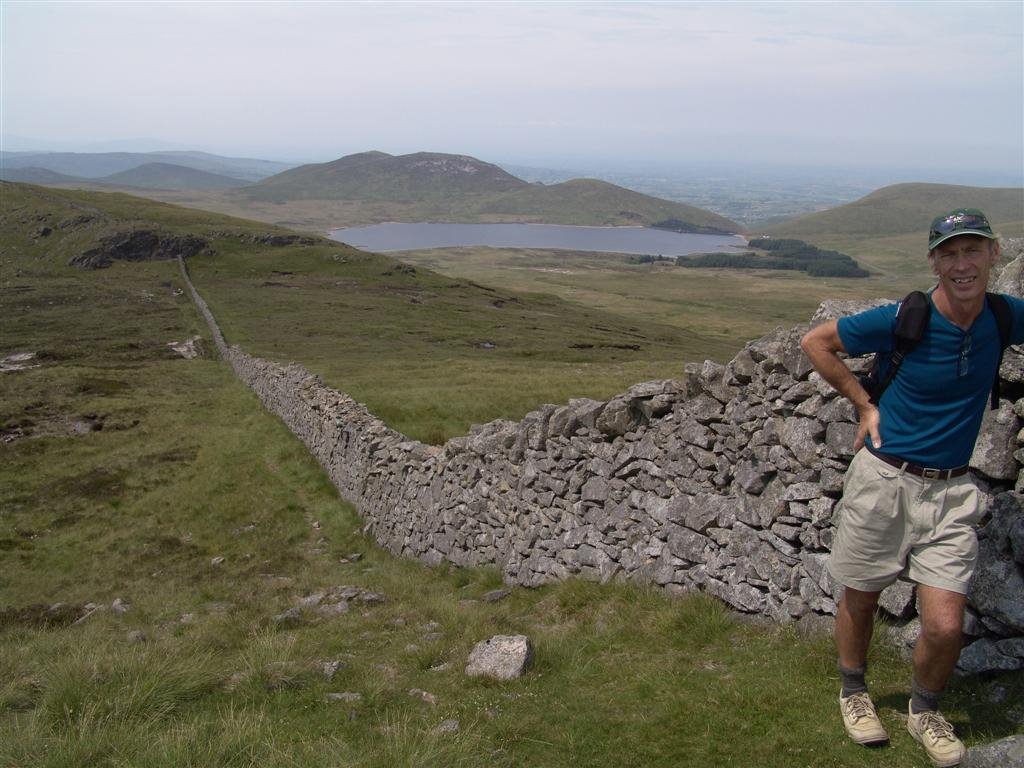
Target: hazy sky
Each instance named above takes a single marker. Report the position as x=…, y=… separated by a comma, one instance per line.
x=915, y=85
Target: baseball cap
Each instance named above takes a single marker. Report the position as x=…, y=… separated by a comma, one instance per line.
x=959, y=221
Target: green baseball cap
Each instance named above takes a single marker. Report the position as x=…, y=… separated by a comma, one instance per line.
x=959, y=221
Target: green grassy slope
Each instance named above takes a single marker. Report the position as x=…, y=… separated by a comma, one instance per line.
x=429, y=354
x=887, y=231
x=127, y=472
x=904, y=209
x=590, y=201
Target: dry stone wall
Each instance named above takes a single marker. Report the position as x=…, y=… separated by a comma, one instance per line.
x=724, y=481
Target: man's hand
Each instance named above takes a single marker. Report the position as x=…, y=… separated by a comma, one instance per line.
x=870, y=421
x=822, y=346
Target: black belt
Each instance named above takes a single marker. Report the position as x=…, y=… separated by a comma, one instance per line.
x=926, y=472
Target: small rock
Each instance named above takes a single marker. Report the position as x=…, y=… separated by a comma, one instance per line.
x=447, y=726
x=497, y=594
x=443, y=666
x=187, y=618
x=289, y=618
x=348, y=696
x=311, y=601
x=330, y=668
x=503, y=657
x=333, y=609
x=135, y=636
x=429, y=698
x=120, y=606
x=219, y=560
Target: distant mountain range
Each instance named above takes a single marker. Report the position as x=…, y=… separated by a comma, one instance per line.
x=97, y=165
x=371, y=187
x=431, y=186
x=358, y=189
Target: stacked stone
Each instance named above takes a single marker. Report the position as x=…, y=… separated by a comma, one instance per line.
x=723, y=481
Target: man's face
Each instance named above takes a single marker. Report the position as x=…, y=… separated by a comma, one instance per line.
x=963, y=264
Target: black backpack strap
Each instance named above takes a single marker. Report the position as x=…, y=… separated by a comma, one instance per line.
x=1004, y=322
x=911, y=320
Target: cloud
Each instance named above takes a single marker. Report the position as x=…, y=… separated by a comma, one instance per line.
x=630, y=79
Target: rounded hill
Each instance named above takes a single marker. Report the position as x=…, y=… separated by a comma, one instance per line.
x=902, y=209
x=378, y=176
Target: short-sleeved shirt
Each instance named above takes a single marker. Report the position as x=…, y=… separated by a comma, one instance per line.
x=931, y=412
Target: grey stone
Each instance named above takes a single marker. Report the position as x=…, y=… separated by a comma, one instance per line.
x=1005, y=753
x=502, y=657
x=984, y=655
x=997, y=588
x=898, y=599
x=349, y=697
x=993, y=451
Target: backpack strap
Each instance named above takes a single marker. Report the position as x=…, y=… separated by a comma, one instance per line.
x=911, y=320
x=1004, y=322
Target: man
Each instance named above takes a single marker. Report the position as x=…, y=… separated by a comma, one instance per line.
x=908, y=506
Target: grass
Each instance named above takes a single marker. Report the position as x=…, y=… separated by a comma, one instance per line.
x=188, y=469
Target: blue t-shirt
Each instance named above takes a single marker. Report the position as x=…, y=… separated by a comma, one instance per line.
x=931, y=412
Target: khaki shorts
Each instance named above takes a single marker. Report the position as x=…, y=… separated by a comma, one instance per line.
x=894, y=524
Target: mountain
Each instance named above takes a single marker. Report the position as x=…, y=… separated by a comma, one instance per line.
x=170, y=176
x=379, y=176
x=43, y=176
x=904, y=209
x=96, y=165
x=430, y=186
x=578, y=198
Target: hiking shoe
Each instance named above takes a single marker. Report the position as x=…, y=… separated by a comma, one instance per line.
x=935, y=734
x=861, y=720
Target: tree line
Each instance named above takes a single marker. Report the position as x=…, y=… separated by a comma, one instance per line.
x=784, y=253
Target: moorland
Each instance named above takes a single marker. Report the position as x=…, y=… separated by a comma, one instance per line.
x=157, y=524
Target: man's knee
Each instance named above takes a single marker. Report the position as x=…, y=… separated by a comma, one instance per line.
x=945, y=629
x=858, y=602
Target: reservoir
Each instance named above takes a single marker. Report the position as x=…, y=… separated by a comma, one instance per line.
x=394, y=236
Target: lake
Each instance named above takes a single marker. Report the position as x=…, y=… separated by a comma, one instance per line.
x=395, y=236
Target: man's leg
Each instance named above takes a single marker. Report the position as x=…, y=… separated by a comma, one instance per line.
x=938, y=646
x=935, y=656
x=855, y=621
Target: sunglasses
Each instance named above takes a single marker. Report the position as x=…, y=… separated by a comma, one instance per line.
x=958, y=221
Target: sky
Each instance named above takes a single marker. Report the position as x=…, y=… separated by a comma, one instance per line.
x=639, y=85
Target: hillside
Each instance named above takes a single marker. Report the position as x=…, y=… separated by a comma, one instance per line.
x=904, y=209
x=169, y=176
x=183, y=586
x=428, y=186
x=377, y=176
x=96, y=165
x=44, y=176
x=571, y=201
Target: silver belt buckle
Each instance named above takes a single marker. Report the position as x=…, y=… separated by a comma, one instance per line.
x=931, y=474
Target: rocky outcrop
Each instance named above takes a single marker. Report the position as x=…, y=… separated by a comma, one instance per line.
x=723, y=481
x=138, y=245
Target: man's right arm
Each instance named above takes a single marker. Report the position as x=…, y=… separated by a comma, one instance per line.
x=822, y=346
